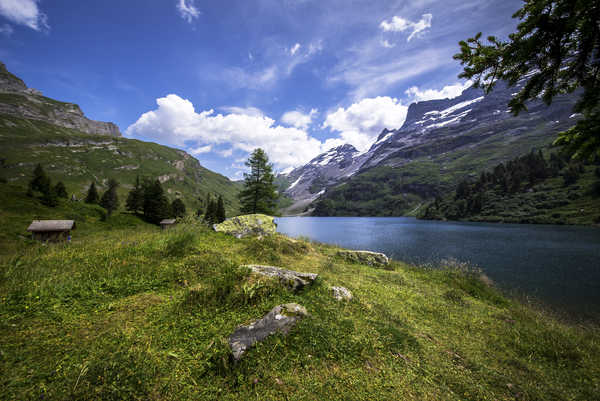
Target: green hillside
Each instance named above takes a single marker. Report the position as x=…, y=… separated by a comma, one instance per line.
x=78, y=159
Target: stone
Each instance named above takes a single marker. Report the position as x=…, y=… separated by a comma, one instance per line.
x=365, y=257
x=293, y=280
x=248, y=225
x=280, y=319
x=341, y=293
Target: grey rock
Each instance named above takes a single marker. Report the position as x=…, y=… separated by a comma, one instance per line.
x=248, y=225
x=280, y=319
x=291, y=279
x=341, y=293
x=365, y=257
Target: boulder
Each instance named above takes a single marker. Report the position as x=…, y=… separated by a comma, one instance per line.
x=365, y=257
x=280, y=319
x=248, y=225
x=292, y=280
x=341, y=293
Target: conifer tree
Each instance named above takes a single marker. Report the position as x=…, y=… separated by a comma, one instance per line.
x=178, y=208
x=156, y=204
x=92, y=194
x=220, y=214
x=211, y=211
x=40, y=181
x=556, y=47
x=49, y=197
x=258, y=195
x=60, y=190
x=110, y=200
x=135, y=198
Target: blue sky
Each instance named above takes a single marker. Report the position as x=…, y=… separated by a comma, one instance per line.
x=220, y=78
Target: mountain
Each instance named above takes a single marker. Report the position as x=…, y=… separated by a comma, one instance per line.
x=308, y=182
x=441, y=142
x=16, y=99
x=76, y=150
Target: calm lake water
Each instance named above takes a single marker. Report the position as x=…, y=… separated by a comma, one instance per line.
x=559, y=265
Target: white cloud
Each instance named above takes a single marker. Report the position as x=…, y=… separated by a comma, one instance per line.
x=362, y=122
x=399, y=24
x=175, y=122
x=248, y=111
x=24, y=12
x=226, y=152
x=369, y=79
x=201, y=149
x=240, y=78
x=188, y=10
x=6, y=30
x=387, y=44
x=447, y=92
x=295, y=48
x=298, y=119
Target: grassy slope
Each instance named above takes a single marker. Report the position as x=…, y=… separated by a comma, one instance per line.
x=135, y=313
x=24, y=143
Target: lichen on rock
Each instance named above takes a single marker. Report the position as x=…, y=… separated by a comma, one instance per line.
x=365, y=257
x=288, y=278
x=341, y=293
x=248, y=225
x=280, y=319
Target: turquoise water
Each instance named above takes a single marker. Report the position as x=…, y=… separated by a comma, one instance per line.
x=559, y=265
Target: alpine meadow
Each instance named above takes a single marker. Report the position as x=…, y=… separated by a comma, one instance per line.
x=300, y=200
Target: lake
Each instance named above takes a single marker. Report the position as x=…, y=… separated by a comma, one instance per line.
x=559, y=265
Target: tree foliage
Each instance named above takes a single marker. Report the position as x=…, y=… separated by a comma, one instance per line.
x=156, y=205
x=135, y=198
x=110, y=199
x=178, y=208
x=92, y=194
x=220, y=212
x=61, y=190
x=259, y=194
x=556, y=48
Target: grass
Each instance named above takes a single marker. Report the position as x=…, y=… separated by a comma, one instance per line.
x=136, y=313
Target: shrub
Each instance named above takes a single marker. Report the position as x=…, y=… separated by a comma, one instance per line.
x=179, y=243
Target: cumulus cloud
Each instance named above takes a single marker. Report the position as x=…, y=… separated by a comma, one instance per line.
x=24, y=12
x=175, y=122
x=298, y=119
x=447, y=92
x=362, y=122
x=399, y=24
x=188, y=10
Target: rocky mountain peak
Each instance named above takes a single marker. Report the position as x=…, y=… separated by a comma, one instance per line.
x=20, y=101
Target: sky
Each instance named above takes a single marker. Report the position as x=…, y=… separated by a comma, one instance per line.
x=221, y=78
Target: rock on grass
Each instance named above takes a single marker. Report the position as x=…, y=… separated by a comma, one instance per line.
x=365, y=257
x=293, y=280
x=280, y=319
x=248, y=225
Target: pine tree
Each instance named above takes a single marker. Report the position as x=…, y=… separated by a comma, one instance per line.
x=220, y=215
x=110, y=200
x=60, y=190
x=40, y=181
x=556, y=47
x=178, y=208
x=258, y=195
x=49, y=197
x=211, y=211
x=156, y=204
x=92, y=194
x=135, y=198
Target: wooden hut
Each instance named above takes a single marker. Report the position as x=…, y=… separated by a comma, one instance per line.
x=166, y=223
x=51, y=230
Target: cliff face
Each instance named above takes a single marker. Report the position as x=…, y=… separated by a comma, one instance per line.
x=18, y=100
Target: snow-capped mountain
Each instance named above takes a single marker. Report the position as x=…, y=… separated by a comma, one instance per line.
x=439, y=128
x=436, y=126
x=309, y=181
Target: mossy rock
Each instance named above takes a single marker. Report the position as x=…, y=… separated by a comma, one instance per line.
x=248, y=225
x=365, y=257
